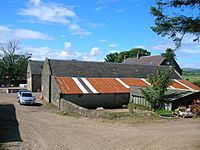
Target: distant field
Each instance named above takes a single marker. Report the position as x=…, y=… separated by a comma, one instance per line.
x=192, y=77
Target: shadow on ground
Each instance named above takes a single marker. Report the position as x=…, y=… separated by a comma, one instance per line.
x=36, y=104
x=9, y=131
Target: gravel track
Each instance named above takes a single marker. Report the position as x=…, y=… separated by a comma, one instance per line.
x=43, y=129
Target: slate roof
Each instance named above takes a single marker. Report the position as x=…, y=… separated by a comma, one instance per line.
x=73, y=68
x=151, y=60
x=36, y=66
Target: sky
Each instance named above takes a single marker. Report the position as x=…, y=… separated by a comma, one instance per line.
x=87, y=29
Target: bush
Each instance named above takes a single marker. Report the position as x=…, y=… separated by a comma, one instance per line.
x=130, y=106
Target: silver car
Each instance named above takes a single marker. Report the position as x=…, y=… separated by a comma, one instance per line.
x=26, y=97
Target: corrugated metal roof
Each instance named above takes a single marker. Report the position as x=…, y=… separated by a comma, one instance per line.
x=194, y=87
x=110, y=85
x=68, y=86
x=134, y=82
x=177, y=85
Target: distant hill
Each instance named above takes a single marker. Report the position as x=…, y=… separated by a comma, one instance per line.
x=192, y=70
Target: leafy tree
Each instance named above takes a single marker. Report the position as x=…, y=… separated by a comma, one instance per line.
x=12, y=66
x=169, y=55
x=184, y=20
x=119, y=57
x=154, y=94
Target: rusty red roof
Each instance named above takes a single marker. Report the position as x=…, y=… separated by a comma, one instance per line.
x=107, y=85
x=178, y=85
x=68, y=86
x=79, y=85
x=134, y=82
x=188, y=85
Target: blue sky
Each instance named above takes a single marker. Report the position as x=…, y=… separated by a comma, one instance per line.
x=86, y=30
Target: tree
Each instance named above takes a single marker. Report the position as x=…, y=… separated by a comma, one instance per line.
x=169, y=55
x=155, y=93
x=184, y=20
x=12, y=66
x=119, y=57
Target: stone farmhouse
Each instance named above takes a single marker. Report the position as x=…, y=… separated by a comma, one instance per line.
x=156, y=60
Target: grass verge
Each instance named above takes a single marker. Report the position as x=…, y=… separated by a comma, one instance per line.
x=163, y=112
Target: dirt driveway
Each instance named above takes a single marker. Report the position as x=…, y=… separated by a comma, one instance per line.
x=35, y=127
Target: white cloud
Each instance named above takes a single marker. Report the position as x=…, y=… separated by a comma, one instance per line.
x=162, y=47
x=95, y=51
x=190, y=48
x=140, y=46
x=53, y=13
x=29, y=34
x=113, y=45
x=77, y=30
x=10, y=33
x=40, y=53
x=40, y=12
x=114, y=51
x=67, y=45
x=191, y=51
x=35, y=2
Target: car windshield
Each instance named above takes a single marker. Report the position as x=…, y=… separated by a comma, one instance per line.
x=26, y=94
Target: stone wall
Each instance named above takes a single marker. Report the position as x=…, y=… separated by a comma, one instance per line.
x=55, y=92
x=46, y=79
x=92, y=101
x=29, y=78
x=69, y=108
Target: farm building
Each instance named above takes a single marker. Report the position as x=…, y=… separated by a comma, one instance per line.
x=181, y=92
x=34, y=73
x=93, y=84
x=156, y=60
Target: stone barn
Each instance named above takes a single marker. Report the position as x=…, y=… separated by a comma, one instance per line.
x=93, y=84
x=34, y=74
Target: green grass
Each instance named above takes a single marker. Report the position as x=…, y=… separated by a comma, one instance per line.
x=163, y=112
x=195, y=79
x=192, y=77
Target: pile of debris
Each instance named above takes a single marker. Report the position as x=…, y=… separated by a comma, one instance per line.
x=192, y=110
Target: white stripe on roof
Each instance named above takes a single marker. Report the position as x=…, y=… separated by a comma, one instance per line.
x=80, y=85
x=145, y=81
x=172, y=87
x=89, y=85
x=124, y=84
x=184, y=85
